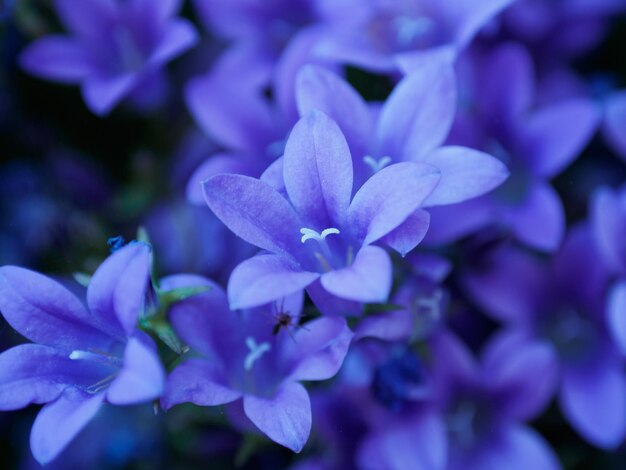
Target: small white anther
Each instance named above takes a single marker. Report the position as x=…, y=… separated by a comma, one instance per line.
x=376, y=165
x=310, y=234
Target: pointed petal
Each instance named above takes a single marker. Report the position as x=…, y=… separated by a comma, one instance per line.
x=583, y=388
x=417, y=116
x=331, y=305
x=609, y=227
x=142, y=376
x=102, y=94
x=557, y=134
x=409, y=233
x=197, y=381
x=470, y=16
x=368, y=279
x=317, y=169
x=264, y=278
x=319, y=348
x=617, y=314
x=117, y=290
x=539, y=221
x=255, y=212
x=178, y=36
x=465, y=174
x=86, y=18
x=389, y=197
x=321, y=89
x=60, y=421
x=45, y=312
x=286, y=418
x=56, y=58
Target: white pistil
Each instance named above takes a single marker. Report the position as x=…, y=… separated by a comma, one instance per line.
x=409, y=29
x=376, y=165
x=96, y=356
x=310, y=234
x=256, y=351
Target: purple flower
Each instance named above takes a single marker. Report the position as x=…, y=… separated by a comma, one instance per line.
x=562, y=304
x=80, y=359
x=254, y=355
x=115, y=47
x=377, y=34
x=615, y=122
x=321, y=236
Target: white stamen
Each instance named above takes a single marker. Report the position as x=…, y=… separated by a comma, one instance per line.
x=310, y=234
x=75, y=355
x=408, y=29
x=256, y=351
x=376, y=165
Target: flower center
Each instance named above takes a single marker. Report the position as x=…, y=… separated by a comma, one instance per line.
x=323, y=254
x=256, y=351
x=376, y=165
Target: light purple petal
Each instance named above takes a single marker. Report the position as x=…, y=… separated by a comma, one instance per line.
x=583, y=389
x=57, y=58
x=331, y=305
x=450, y=223
x=615, y=122
x=141, y=378
x=264, y=278
x=45, y=312
x=178, y=36
x=465, y=174
x=470, y=16
x=616, y=315
x=319, y=348
x=102, y=94
x=285, y=418
x=317, y=169
x=409, y=233
x=539, y=220
x=273, y=175
x=195, y=381
x=609, y=228
x=117, y=290
x=86, y=18
x=255, y=212
x=389, y=197
x=319, y=88
x=557, y=134
x=417, y=116
x=368, y=279
x=60, y=421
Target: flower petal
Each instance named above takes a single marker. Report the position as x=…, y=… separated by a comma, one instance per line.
x=465, y=174
x=196, y=381
x=178, y=36
x=264, y=278
x=86, y=18
x=615, y=122
x=255, y=212
x=409, y=233
x=617, y=314
x=368, y=279
x=117, y=290
x=389, y=197
x=285, y=418
x=56, y=58
x=417, y=116
x=60, y=421
x=317, y=169
x=609, y=228
x=141, y=378
x=45, y=312
x=102, y=94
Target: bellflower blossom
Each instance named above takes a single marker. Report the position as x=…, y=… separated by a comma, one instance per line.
x=536, y=143
x=79, y=359
x=320, y=236
x=562, y=304
x=114, y=47
x=244, y=356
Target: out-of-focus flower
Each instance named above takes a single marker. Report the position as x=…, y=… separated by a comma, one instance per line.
x=79, y=358
x=114, y=47
x=257, y=355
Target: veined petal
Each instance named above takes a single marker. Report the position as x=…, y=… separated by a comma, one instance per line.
x=196, y=381
x=389, y=197
x=117, y=290
x=60, y=421
x=264, y=278
x=465, y=174
x=368, y=279
x=285, y=418
x=317, y=169
x=57, y=58
x=141, y=378
x=417, y=116
x=255, y=212
x=45, y=312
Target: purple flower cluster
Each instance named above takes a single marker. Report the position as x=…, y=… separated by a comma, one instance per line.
x=396, y=268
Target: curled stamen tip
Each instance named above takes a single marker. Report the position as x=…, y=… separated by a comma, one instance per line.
x=310, y=234
x=256, y=351
x=74, y=355
x=376, y=165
